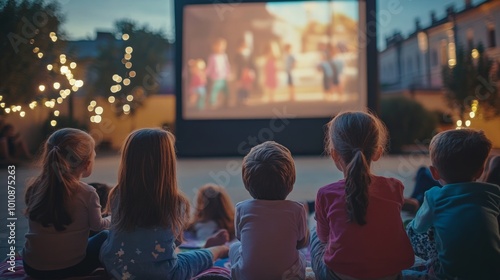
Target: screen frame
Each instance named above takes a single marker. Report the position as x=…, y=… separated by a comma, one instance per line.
x=235, y=137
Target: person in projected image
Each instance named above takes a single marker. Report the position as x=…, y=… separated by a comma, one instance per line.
x=271, y=72
x=197, y=83
x=337, y=66
x=218, y=70
x=326, y=68
x=289, y=65
x=245, y=72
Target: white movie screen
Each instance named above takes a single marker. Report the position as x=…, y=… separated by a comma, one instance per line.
x=245, y=60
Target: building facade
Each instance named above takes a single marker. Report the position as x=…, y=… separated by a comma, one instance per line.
x=415, y=62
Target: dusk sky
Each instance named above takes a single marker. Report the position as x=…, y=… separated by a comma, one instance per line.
x=83, y=18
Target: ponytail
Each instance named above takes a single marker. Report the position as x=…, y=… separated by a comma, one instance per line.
x=49, y=206
x=356, y=187
x=48, y=196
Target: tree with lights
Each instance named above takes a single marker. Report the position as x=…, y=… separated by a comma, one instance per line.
x=470, y=82
x=33, y=66
x=128, y=69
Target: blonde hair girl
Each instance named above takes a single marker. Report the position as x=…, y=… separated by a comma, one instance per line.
x=62, y=210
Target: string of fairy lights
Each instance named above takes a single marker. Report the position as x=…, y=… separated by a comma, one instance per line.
x=472, y=114
x=115, y=89
x=64, y=68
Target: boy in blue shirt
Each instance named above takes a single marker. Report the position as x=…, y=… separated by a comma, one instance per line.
x=463, y=213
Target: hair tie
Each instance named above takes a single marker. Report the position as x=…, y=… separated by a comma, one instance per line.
x=356, y=150
x=56, y=148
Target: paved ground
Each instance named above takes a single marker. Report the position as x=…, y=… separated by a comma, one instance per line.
x=312, y=173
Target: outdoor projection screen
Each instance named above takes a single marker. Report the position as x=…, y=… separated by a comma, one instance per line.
x=251, y=71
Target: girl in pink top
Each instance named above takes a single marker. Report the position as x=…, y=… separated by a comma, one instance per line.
x=359, y=233
x=62, y=210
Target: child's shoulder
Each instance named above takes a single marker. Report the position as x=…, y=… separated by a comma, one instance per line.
x=391, y=181
x=251, y=203
x=333, y=187
x=85, y=189
x=472, y=188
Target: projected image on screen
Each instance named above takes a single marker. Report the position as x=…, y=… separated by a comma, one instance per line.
x=248, y=59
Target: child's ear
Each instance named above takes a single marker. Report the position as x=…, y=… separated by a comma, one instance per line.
x=478, y=174
x=434, y=173
x=378, y=153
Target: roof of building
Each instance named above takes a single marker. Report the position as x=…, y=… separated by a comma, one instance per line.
x=398, y=37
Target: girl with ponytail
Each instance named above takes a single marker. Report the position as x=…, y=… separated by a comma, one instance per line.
x=359, y=232
x=61, y=210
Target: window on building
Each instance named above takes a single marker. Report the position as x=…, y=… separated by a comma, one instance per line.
x=417, y=59
x=470, y=38
x=491, y=36
x=434, y=57
x=410, y=65
x=444, y=52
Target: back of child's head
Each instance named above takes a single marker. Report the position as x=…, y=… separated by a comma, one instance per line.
x=459, y=155
x=213, y=203
x=354, y=139
x=269, y=171
x=102, y=191
x=65, y=156
x=147, y=192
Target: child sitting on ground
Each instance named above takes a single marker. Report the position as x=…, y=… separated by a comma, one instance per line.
x=148, y=214
x=463, y=213
x=270, y=228
x=62, y=210
x=214, y=211
x=359, y=233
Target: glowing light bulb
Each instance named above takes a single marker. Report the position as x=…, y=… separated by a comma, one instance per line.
x=99, y=110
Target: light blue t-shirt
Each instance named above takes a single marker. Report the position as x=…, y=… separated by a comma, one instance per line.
x=149, y=253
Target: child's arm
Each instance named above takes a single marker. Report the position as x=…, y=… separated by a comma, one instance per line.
x=96, y=222
x=219, y=252
x=423, y=219
x=322, y=225
x=303, y=228
x=237, y=223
